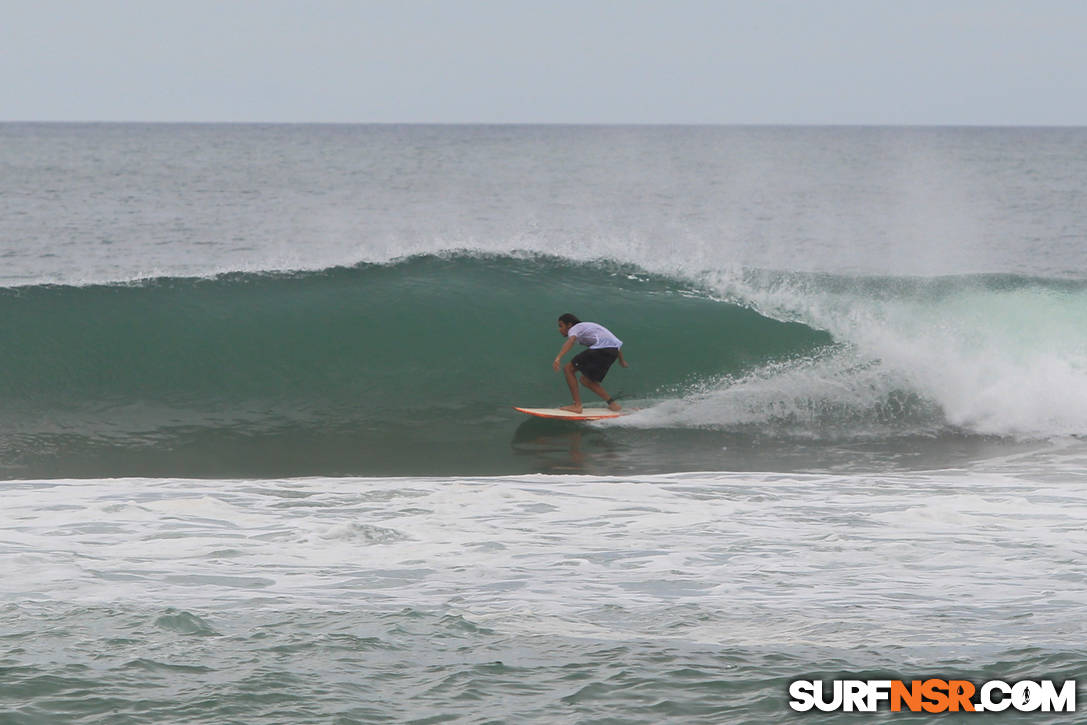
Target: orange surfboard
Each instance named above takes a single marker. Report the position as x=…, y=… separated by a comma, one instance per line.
x=559, y=414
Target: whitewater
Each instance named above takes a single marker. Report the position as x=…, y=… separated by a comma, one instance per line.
x=259, y=461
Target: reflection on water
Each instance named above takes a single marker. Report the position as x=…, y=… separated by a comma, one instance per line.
x=537, y=446
x=558, y=446
x=562, y=447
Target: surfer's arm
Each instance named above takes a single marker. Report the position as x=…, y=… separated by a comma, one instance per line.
x=565, y=349
x=621, y=360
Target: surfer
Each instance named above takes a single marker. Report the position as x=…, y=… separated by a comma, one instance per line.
x=604, y=349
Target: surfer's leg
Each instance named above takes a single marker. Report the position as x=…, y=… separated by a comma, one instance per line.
x=571, y=380
x=599, y=390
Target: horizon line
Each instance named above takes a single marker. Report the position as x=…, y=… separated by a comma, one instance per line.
x=567, y=124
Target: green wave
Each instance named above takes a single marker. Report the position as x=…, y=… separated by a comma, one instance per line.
x=183, y=372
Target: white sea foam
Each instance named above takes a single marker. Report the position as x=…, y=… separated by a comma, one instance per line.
x=987, y=356
x=717, y=558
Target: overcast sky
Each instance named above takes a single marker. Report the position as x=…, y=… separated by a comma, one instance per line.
x=547, y=61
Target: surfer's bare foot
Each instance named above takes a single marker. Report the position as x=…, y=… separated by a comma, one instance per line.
x=614, y=406
x=571, y=408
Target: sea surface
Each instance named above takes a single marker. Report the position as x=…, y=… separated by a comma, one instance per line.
x=259, y=463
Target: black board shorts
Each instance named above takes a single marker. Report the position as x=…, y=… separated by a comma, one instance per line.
x=594, y=364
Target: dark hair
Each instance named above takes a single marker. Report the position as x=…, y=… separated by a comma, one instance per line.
x=569, y=319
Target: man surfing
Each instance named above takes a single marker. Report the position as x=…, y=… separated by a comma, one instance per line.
x=604, y=349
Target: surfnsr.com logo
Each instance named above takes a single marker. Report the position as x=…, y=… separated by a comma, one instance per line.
x=933, y=695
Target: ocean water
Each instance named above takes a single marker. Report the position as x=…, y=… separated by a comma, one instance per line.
x=259, y=462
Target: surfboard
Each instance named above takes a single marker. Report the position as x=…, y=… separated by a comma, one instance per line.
x=559, y=414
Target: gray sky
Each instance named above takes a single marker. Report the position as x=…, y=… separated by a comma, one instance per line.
x=550, y=61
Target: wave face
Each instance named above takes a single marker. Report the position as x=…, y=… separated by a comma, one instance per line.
x=369, y=369
x=411, y=367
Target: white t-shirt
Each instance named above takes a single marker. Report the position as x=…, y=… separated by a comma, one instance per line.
x=594, y=335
